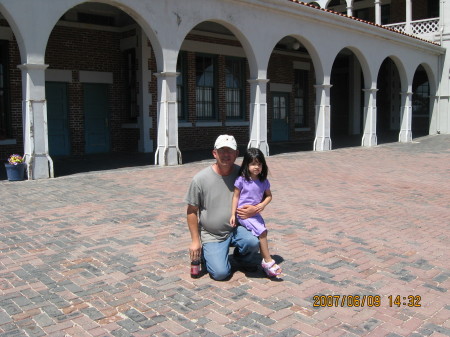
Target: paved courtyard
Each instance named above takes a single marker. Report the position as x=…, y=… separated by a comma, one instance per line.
x=362, y=233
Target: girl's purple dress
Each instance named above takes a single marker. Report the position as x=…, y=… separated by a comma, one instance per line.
x=252, y=193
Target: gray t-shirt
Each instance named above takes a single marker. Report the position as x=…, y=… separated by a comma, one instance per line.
x=212, y=194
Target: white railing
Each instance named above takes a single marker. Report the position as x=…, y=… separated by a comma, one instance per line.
x=417, y=27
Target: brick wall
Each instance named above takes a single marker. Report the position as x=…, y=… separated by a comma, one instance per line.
x=79, y=49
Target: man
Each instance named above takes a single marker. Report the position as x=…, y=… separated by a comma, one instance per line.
x=208, y=214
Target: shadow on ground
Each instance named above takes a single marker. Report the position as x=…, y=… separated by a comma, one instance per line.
x=65, y=166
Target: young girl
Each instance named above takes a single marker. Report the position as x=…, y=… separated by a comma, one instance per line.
x=253, y=188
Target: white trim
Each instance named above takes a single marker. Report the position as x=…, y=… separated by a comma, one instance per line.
x=207, y=124
x=215, y=35
x=302, y=65
x=96, y=27
x=96, y=77
x=212, y=48
x=241, y=123
x=128, y=43
x=280, y=87
x=58, y=75
x=8, y=142
x=6, y=34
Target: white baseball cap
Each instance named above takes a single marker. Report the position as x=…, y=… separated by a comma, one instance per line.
x=225, y=141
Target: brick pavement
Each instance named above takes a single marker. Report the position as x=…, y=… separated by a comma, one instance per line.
x=105, y=253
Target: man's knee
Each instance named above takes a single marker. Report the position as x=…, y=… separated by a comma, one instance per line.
x=219, y=275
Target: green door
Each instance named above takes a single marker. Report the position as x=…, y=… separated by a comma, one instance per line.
x=280, y=119
x=57, y=119
x=96, y=118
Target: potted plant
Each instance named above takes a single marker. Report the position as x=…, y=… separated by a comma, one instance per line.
x=15, y=168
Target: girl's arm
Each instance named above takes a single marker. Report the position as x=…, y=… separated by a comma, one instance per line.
x=267, y=199
x=234, y=204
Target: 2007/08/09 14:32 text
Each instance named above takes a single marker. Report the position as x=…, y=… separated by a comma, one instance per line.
x=411, y=301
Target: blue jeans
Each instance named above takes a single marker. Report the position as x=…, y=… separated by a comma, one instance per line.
x=216, y=253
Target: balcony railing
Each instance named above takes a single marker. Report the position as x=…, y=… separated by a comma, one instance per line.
x=417, y=27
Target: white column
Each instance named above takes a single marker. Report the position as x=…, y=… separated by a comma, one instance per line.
x=370, y=118
x=378, y=12
x=322, y=142
x=34, y=114
x=405, y=135
x=349, y=7
x=167, y=152
x=144, y=97
x=258, y=115
x=408, y=28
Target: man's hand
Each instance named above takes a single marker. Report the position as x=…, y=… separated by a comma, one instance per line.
x=247, y=211
x=195, y=250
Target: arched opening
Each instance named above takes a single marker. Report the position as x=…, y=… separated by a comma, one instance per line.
x=346, y=100
x=96, y=89
x=388, y=102
x=212, y=88
x=290, y=97
x=420, y=124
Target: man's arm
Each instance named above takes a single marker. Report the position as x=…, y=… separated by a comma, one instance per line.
x=247, y=211
x=195, y=249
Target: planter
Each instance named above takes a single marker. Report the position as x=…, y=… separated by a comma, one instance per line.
x=15, y=172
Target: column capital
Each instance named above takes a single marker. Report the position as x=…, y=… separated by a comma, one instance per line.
x=163, y=74
x=258, y=81
x=32, y=66
x=322, y=86
x=372, y=90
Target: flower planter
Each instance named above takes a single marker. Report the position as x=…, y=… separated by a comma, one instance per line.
x=15, y=172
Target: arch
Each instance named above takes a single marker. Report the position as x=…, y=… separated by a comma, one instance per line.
x=245, y=43
x=401, y=70
x=422, y=102
x=350, y=74
x=15, y=29
x=137, y=15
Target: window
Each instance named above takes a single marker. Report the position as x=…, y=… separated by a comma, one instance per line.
x=4, y=109
x=433, y=8
x=234, y=88
x=181, y=87
x=385, y=14
x=131, y=90
x=301, y=98
x=421, y=99
x=205, y=90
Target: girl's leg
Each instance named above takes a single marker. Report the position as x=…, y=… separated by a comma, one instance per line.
x=216, y=258
x=264, y=247
x=268, y=264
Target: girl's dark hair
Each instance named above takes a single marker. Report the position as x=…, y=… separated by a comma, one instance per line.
x=251, y=155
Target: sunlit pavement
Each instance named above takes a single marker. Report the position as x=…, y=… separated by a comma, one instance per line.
x=362, y=235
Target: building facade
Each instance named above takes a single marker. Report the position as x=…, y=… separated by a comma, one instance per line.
x=85, y=77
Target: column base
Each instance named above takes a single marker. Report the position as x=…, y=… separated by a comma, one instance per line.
x=168, y=156
x=39, y=167
x=322, y=144
x=369, y=140
x=405, y=136
x=263, y=146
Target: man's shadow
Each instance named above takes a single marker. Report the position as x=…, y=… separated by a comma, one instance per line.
x=256, y=271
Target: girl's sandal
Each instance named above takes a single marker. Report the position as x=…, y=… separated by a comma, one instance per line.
x=271, y=268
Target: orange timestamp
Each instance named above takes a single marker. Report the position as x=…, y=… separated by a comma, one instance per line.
x=365, y=301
